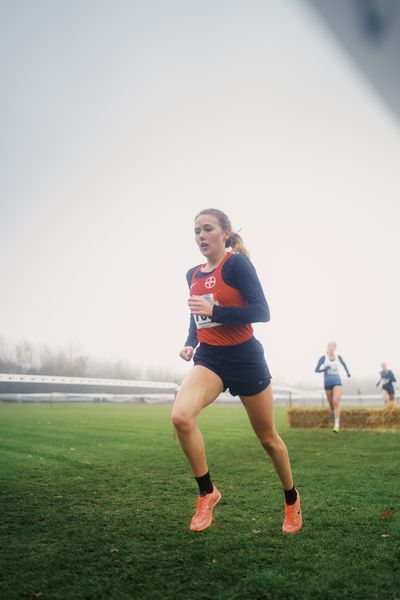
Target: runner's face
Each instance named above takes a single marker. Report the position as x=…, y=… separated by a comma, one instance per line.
x=331, y=348
x=210, y=237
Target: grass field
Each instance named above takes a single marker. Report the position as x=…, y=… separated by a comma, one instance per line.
x=96, y=501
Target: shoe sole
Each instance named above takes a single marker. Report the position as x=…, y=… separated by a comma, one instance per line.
x=207, y=525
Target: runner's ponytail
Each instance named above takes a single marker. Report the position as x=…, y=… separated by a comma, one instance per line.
x=236, y=243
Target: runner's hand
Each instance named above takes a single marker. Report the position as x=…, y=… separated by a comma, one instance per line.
x=186, y=353
x=200, y=306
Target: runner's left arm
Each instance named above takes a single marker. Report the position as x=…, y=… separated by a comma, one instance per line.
x=239, y=272
x=344, y=365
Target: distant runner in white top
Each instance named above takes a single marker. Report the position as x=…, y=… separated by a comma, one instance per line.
x=329, y=365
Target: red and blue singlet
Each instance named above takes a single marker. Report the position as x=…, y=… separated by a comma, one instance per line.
x=238, y=300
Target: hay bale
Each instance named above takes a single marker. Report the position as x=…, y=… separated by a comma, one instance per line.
x=309, y=417
x=387, y=417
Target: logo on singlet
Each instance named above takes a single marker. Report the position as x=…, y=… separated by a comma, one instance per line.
x=210, y=282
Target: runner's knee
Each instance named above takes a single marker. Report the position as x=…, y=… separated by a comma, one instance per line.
x=182, y=420
x=270, y=441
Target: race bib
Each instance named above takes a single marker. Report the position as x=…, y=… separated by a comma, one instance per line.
x=206, y=322
x=333, y=368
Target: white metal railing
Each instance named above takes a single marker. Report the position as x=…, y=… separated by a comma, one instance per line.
x=283, y=395
x=57, y=397
x=20, y=378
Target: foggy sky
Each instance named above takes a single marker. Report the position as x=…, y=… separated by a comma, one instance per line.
x=120, y=121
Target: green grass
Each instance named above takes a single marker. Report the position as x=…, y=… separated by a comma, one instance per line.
x=96, y=501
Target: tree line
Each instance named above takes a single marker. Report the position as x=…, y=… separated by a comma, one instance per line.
x=26, y=358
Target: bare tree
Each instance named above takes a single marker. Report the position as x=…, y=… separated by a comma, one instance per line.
x=25, y=357
x=7, y=360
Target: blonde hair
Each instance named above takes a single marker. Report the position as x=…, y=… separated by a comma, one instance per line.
x=234, y=241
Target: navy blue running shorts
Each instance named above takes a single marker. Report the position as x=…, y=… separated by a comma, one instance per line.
x=330, y=386
x=389, y=388
x=241, y=367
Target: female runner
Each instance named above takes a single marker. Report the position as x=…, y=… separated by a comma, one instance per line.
x=387, y=379
x=329, y=365
x=225, y=298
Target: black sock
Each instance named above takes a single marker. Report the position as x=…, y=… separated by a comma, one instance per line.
x=290, y=495
x=205, y=485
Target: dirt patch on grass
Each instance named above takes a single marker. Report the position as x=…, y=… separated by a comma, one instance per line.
x=387, y=417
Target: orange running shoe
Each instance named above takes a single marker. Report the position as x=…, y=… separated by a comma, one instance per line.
x=293, y=519
x=203, y=516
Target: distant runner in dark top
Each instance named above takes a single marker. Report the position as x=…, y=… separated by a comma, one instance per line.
x=386, y=380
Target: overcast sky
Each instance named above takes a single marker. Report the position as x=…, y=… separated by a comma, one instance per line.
x=121, y=120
